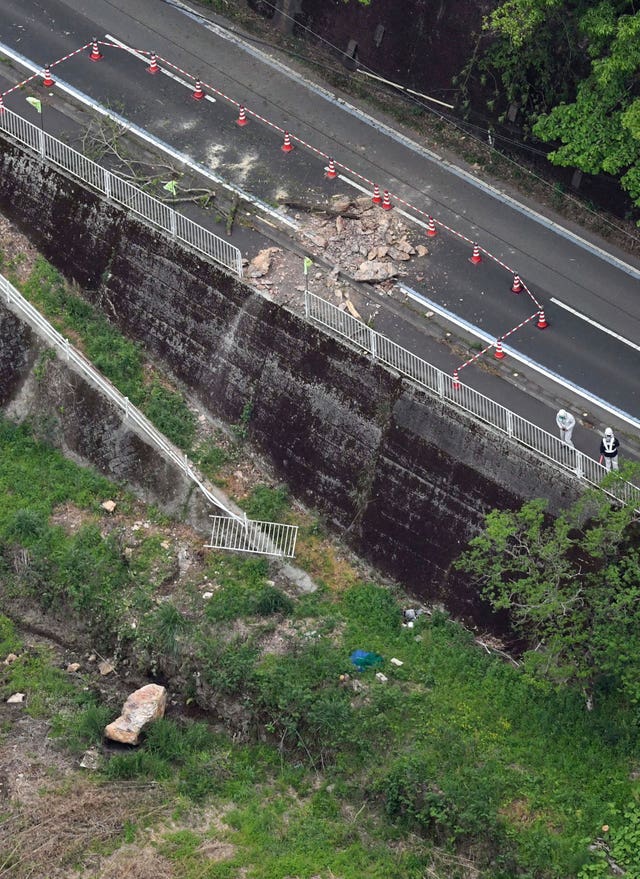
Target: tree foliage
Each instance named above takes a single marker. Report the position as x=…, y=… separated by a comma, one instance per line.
x=571, y=586
x=574, y=69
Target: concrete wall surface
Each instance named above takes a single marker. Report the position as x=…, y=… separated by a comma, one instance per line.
x=405, y=479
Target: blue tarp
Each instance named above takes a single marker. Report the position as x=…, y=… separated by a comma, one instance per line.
x=363, y=659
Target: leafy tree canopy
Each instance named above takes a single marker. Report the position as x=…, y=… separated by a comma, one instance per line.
x=574, y=68
x=571, y=585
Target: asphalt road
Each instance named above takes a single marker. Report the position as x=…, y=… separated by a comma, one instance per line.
x=600, y=283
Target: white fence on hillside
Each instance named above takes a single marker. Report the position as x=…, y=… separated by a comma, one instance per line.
x=239, y=533
x=439, y=383
x=118, y=190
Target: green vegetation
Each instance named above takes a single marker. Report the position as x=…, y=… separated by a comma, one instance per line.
x=459, y=755
x=572, y=586
x=571, y=66
x=118, y=358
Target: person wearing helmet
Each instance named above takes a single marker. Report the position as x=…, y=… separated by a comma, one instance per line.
x=609, y=445
x=566, y=422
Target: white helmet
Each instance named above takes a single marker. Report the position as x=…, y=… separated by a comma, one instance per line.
x=562, y=414
x=608, y=432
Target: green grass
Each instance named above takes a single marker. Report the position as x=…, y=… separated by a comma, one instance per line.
x=457, y=751
x=118, y=358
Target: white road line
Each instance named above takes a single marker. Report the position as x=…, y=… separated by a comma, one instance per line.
x=595, y=324
x=162, y=69
x=522, y=358
x=188, y=162
x=417, y=148
x=366, y=191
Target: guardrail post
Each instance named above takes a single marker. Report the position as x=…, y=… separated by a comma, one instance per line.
x=41, y=141
x=173, y=223
x=372, y=343
x=509, y=423
x=579, y=465
x=306, y=305
x=67, y=349
x=107, y=184
x=126, y=408
x=441, y=384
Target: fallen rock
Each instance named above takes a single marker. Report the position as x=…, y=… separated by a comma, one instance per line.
x=73, y=667
x=261, y=263
x=16, y=699
x=11, y=657
x=109, y=506
x=340, y=203
x=375, y=271
x=396, y=253
x=422, y=250
x=105, y=668
x=141, y=708
x=90, y=759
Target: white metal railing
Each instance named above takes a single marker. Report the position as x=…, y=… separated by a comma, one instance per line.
x=277, y=540
x=252, y=536
x=121, y=191
x=520, y=430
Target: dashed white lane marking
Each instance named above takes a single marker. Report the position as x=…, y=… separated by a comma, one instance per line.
x=522, y=358
x=166, y=72
x=595, y=324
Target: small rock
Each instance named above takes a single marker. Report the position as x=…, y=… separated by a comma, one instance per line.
x=73, y=667
x=105, y=668
x=207, y=595
x=375, y=271
x=357, y=686
x=261, y=263
x=422, y=250
x=339, y=224
x=141, y=708
x=165, y=544
x=11, y=657
x=382, y=678
x=16, y=699
x=91, y=657
x=382, y=251
x=396, y=662
x=90, y=759
x=319, y=241
x=300, y=289
x=340, y=203
x=109, y=506
x=372, y=254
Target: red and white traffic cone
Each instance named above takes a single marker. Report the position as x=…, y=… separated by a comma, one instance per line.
x=542, y=322
x=1, y=105
x=154, y=67
x=475, y=257
x=386, y=201
x=96, y=54
x=456, y=381
x=47, y=82
x=242, y=118
x=287, y=146
x=377, y=198
x=517, y=287
x=431, y=228
x=198, y=94
x=499, y=355
x=331, y=170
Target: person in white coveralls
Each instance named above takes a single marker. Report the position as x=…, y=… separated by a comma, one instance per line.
x=609, y=445
x=566, y=422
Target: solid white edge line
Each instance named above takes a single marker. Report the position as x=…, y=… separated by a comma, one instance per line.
x=150, y=138
x=595, y=324
x=409, y=143
x=522, y=358
x=168, y=73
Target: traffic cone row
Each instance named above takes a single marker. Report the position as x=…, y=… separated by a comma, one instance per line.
x=96, y=54
x=287, y=146
x=377, y=198
x=154, y=67
x=198, y=94
x=331, y=170
x=517, y=287
x=386, y=201
x=242, y=118
x=475, y=257
x=499, y=355
x=431, y=228
x=47, y=82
